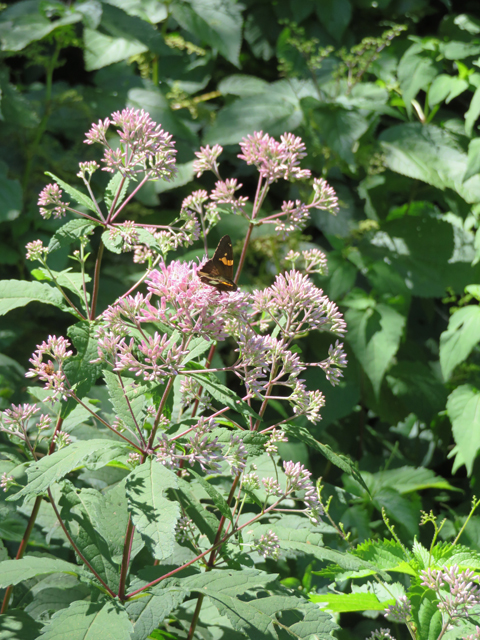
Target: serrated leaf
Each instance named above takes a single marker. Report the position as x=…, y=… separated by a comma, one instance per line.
x=15, y=571
x=463, y=408
x=79, y=369
x=148, y=612
x=112, y=189
x=218, y=23
x=350, y=602
x=374, y=335
x=18, y=293
x=206, y=522
x=223, y=394
x=217, y=497
x=79, y=511
x=152, y=513
x=50, y=469
x=128, y=406
x=19, y=625
x=77, y=195
x=115, y=244
x=342, y=462
x=458, y=341
x=82, y=620
x=67, y=279
x=70, y=232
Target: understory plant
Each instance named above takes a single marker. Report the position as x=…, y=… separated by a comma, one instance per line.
x=147, y=466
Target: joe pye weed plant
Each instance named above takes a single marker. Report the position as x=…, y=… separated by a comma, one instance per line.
x=164, y=481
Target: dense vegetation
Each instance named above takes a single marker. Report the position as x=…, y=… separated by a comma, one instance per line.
x=131, y=502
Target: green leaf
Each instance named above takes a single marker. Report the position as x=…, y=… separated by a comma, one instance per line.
x=473, y=112
x=18, y=625
x=102, y=50
x=79, y=369
x=445, y=87
x=11, y=202
x=416, y=70
x=458, y=341
x=148, y=612
x=275, y=111
x=82, y=620
x=50, y=469
x=217, y=23
x=430, y=154
x=206, y=522
x=473, y=164
x=463, y=408
x=128, y=406
x=79, y=511
x=374, y=335
x=77, y=195
x=342, y=462
x=70, y=232
x=222, y=394
x=154, y=515
x=18, y=293
x=341, y=129
x=112, y=190
x=256, y=617
x=335, y=15
x=67, y=279
x=22, y=25
x=15, y=571
x=350, y=602
x=218, y=500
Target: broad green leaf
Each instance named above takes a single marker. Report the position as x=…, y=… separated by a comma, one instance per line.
x=408, y=480
x=334, y=15
x=458, y=341
x=473, y=112
x=149, y=611
x=445, y=87
x=217, y=23
x=350, y=602
x=50, y=469
x=117, y=182
x=15, y=571
x=257, y=617
x=84, y=620
x=430, y=154
x=79, y=369
x=427, y=617
x=463, y=408
x=274, y=112
x=457, y=50
x=67, y=279
x=18, y=293
x=416, y=70
x=128, y=406
x=341, y=129
x=222, y=394
x=11, y=200
x=152, y=513
x=102, y=50
x=468, y=23
x=473, y=164
x=19, y=28
x=77, y=195
x=242, y=85
x=19, y=625
x=374, y=335
x=70, y=233
x=342, y=462
x=218, y=500
x=417, y=388
x=80, y=511
x=205, y=521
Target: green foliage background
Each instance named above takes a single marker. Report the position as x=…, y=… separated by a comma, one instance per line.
x=386, y=95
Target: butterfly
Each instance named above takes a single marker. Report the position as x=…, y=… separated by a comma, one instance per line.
x=218, y=272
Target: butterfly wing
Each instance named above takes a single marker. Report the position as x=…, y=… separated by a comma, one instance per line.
x=218, y=272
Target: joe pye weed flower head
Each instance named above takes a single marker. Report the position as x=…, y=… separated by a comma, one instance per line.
x=178, y=409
